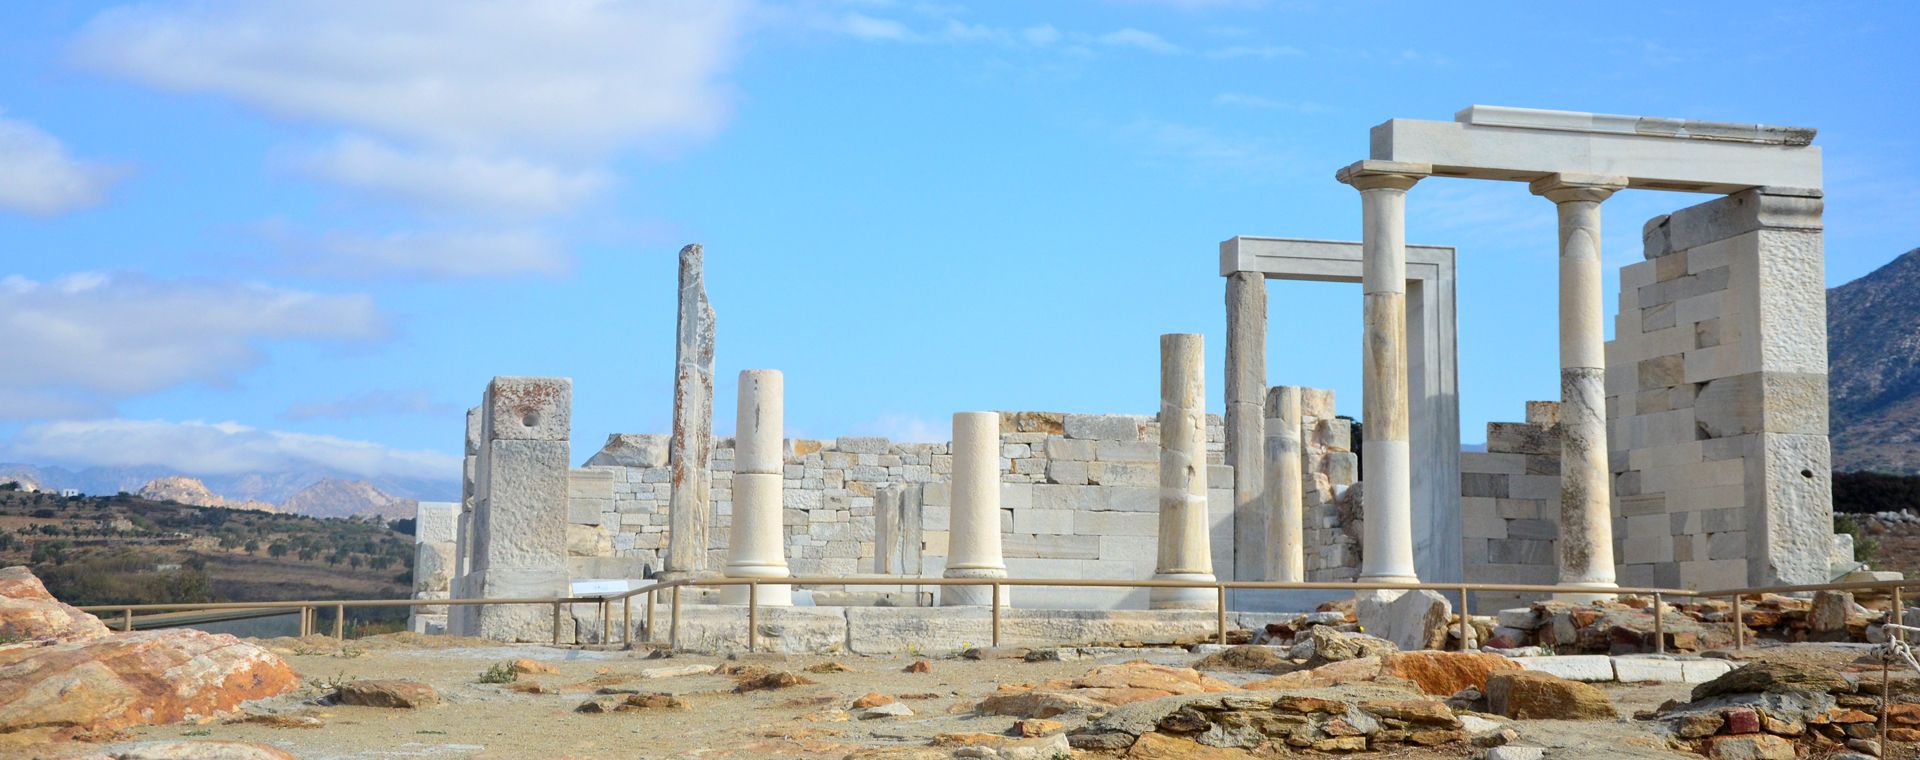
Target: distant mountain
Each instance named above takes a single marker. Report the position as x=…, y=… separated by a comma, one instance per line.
x=185, y=490
x=334, y=497
x=269, y=487
x=1873, y=359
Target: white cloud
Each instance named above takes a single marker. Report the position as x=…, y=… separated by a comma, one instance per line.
x=1200, y=147
x=453, y=179
x=1136, y=38
x=80, y=343
x=38, y=177
x=1041, y=35
x=862, y=26
x=220, y=448
x=903, y=428
x=426, y=255
x=371, y=404
x=1255, y=51
x=560, y=75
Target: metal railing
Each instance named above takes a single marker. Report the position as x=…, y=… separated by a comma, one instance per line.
x=561, y=605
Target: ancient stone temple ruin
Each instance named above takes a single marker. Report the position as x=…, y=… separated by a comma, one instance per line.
x=1690, y=451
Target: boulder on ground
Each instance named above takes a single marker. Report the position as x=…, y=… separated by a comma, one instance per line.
x=527, y=667
x=1320, y=645
x=779, y=679
x=1762, y=677
x=29, y=613
x=1414, y=620
x=1245, y=657
x=170, y=749
x=1440, y=674
x=1533, y=695
x=81, y=680
x=394, y=693
x=1104, y=686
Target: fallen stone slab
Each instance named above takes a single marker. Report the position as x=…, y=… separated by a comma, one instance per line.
x=1590, y=668
x=393, y=693
x=186, y=750
x=1536, y=695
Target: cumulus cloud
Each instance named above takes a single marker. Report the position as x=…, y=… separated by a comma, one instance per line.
x=425, y=255
x=1140, y=39
x=1255, y=51
x=555, y=74
x=458, y=180
x=39, y=177
x=371, y=404
x=82, y=342
x=217, y=448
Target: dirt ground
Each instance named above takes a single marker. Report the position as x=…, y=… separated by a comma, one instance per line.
x=490, y=720
x=481, y=720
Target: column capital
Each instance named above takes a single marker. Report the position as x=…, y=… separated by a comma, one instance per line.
x=1371, y=175
x=1562, y=188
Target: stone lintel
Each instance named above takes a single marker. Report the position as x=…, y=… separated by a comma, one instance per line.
x=1643, y=126
x=1648, y=161
x=1320, y=260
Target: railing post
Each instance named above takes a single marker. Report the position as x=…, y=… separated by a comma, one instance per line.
x=556, y=622
x=673, y=626
x=995, y=588
x=753, y=614
x=1464, y=615
x=1739, y=627
x=650, y=628
x=1659, y=625
x=626, y=621
x=126, y=623
x=340, y=622
x=606, y=622
x=1220, y=612
x=1895, y=616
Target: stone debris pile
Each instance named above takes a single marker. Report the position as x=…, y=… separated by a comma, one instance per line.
x=1772, y=710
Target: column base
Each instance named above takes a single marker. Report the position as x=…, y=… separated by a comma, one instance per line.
x=1586, y=592
x=1183, y=598
x=974, y=596
x=769, y=595
x=1382, y=595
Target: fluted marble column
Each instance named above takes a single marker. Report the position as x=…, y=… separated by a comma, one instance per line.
x=1586, y=517
x=1387, y=498
x=973, y=541
x=1284, y=497
x=1186, y=546
x=756, y=543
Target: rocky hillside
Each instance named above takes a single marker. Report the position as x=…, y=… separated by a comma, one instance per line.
x=335, y=497
x=1873, y=355
x=184, y=490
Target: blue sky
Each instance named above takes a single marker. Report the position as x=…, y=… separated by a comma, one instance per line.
x=241, y=236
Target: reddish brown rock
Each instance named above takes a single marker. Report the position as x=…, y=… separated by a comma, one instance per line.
x=1437, y=673
x=1153, y=746
x=1531, y=694
x=387, y=693
x=29, y=613
x=1742, y=721
x=97, y=686
x=871, y=699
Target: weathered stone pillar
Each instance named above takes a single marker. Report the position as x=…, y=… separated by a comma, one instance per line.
x=689, y=508
x=886, y=529
x=1387, y=495
x=1586, y=516
x=435, y=524
x=1285, y=495
x=973, y=543
x=1246, y=381
x=757, y=546
x=459, y=619
x=1185, y=551
x=520, y=546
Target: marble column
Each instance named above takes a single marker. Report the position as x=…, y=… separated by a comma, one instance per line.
x=1246, y=381
x=973, y=541
x=1186, y=548
x=756, y=543
x=1284, y=498
x=1586, y=515
x=689, y=505
x=1387, y=495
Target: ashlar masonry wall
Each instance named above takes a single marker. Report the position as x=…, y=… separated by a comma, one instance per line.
x=1079, y=499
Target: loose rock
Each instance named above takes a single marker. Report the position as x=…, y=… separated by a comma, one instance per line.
x=1536, y=695
x=392, y=693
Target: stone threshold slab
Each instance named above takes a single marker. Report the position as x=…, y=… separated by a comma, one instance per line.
x=1632, y=668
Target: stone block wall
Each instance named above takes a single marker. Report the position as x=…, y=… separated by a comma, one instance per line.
x=1510, y=506
x=1717, y=397
x=1329, y=503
